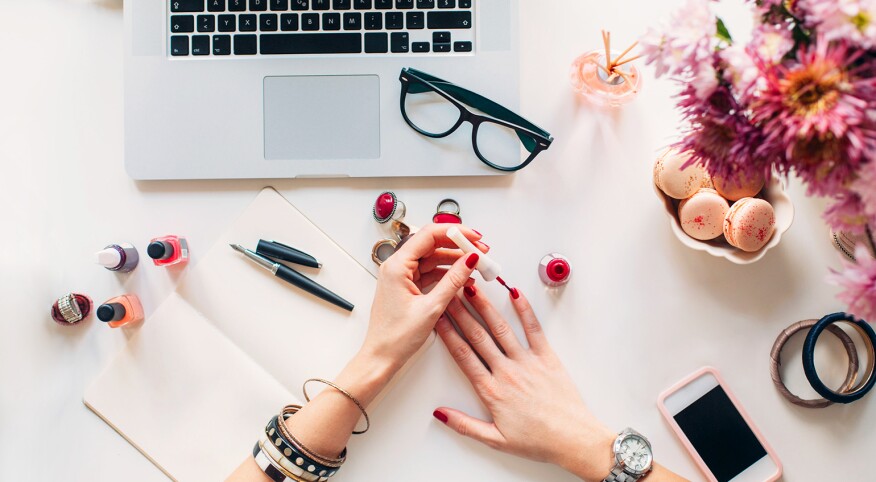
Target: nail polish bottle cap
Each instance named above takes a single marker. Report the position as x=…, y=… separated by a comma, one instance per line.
x=108, y=258
x=159, y=250
x=111, y=312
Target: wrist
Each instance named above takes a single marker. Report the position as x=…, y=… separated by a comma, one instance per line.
x=366, y=375
x=588, y=453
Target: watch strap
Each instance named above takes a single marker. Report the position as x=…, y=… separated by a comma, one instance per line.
x=618, y=474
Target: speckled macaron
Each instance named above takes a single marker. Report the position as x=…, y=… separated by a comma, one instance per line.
x=750, y=223
x=702, y=215
x=739, y=186
x=676, y=182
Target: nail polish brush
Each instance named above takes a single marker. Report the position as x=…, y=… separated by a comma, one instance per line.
x=488, y=268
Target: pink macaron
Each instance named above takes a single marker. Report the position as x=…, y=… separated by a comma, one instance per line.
x=739, y=186
x=750, y=224
x=676, y=182
x=702, y=215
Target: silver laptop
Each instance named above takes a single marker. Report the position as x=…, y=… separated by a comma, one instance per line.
x=305, y=88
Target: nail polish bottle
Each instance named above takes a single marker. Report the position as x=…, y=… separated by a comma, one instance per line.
x=118, y=257
x=120, y=311
x=554, y=270
x=600, y=88
x=168, y=250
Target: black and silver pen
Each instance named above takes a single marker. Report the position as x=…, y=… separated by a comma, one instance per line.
x=295, y=278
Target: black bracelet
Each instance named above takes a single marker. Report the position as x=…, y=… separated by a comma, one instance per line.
x=294, y=454
x=869, y=336
x=263, y=460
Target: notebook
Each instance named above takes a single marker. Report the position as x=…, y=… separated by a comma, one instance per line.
x=231, y=347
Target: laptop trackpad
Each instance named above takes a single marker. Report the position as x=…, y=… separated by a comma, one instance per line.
x=322, y=117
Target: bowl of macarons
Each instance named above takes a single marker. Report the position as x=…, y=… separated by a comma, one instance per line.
x=738, y=219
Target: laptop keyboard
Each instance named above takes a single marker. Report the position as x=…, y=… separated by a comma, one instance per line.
x=318, y=27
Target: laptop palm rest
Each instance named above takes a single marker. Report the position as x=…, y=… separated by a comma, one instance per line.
x=322, y=117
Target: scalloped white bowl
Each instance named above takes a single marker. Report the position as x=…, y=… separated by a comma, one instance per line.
x=774, y=193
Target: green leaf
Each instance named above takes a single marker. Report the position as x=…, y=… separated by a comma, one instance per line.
x=722, y=32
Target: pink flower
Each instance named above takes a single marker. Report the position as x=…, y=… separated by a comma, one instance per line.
x=684, y=43
x=850, y=20
x=771, y=42
x=846, y=213
x=740, y=69
x=858, y=280
x=865, y=188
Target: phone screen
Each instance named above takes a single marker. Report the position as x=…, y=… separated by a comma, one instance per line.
x=720, y=435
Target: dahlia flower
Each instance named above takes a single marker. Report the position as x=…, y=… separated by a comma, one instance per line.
x=858, y=280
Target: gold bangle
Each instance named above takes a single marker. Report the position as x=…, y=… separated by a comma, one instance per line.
x=281, y=424
x=346, y=394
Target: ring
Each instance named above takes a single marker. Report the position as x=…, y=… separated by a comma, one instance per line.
x=382, y=250
x=869, y=337
x=388, y=207
x=71, y=308
x=776, y=363
x=402, y=230
x=447, y=212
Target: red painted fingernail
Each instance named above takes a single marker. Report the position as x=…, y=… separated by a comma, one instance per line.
x=470, y=291
x=514, y=293
x=485, y=245
x=440, y=416
x=472, y=260
x=478, y=233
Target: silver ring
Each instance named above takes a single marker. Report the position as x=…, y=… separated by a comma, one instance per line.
x=448, y=206
x=387, y=207
x=69, y=308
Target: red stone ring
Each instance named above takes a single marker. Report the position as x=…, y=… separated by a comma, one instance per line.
x=447, y=212
x=388, y=207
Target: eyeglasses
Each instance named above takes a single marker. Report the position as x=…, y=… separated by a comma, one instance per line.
x=434, y=108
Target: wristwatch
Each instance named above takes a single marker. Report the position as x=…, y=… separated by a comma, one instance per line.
x=632, y=457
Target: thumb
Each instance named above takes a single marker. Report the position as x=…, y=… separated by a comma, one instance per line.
x=468, y=426
x=454, y=280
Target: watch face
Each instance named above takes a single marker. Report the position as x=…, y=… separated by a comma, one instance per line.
x=635, y=453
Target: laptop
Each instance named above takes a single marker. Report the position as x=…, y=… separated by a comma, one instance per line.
x=305, y=88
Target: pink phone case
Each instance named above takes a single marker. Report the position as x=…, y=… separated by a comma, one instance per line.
x=683, y=438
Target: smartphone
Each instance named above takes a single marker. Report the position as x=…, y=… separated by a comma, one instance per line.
x=717, y=432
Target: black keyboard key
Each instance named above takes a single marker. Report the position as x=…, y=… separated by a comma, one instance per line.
x=395, y=20
x=373, y=21
x=420, y=47
x=449, y=20
x=425, y=4
x=289, y=22
x=182, y=23
x=236, y=5
x=341, y=4
x=247, y=23
x=179, y=45
x=462, y=46
x=222, y=45
x=353, y=21
x=215, y=6
x=227, y=23
x=382, y=4
x=464, y=3
x=331, y=21
x=441, y=37
x=309, y=21
x=257, y=6
x=320, y=4
x=415, y=20
x=206, y=23
x=446, y=3
x=399, y=42
x=200, y=45
x=441, y=47
x=187, y=6
x=362, y=4
x=245, y=45
x=279, y=5
x=404, y=4
x=300, y=4
x=268, y=22
x=376, y=43
x=311, y=43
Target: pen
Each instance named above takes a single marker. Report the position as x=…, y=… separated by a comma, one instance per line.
x=282, y=252
x=295, y=278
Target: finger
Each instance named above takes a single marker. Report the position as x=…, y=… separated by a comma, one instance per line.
x=484, y=432
x=441, y=257
x=476, y=335
x=531, y=326
x=434, y=236
x=454, y=280
x=461, y=352
x=500, y=328
x=433, y=277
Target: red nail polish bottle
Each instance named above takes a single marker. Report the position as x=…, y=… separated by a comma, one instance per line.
x=120, y=311
x=554, y=270
x=168, y=250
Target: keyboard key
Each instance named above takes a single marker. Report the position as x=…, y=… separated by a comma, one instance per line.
x=268, y=22
x=310, y=21
x=289, y=22
x=227, y=23
x=353, y=21
x=200, y=45
x=182, y=23
x=446, y=3
x=222, y=45
x=415, y=20
x=373, y=21
x=425, y=4
x=279, y=5
x=311, y=43
x=206, y=23
x=300, y=4
x=321, y=4
x=247, y=23
x=236, y=6
x=462, y=46
x=376, y=43
x=399, y=42
x=441, y=37
x=256, y=6
x=341, y=4
x=464, y=3
x=245, y=45
x=179, y=45
x=449, y=20
x=395, y=20
x=362, y=4
x=187, y=6
x=331, y=21
x=420, y=47
x=441, y=47
x=404, y=4
x=215, y=6
x=382, y=4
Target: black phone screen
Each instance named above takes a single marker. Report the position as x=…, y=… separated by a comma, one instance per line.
x=720, y=435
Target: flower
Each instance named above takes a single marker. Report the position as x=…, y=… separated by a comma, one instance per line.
x=850, y=20
x=858, y=280
x=705, y=80
x=846, y=213
x=865, y=188
x=682, y=45
x=771, y=42
x=739, y=69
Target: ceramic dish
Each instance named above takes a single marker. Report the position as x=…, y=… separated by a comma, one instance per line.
x=773, y=192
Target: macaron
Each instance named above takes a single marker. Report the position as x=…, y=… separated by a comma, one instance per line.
x=676, y=182
x=750, y=224
x=739, y=186
x=702, y=215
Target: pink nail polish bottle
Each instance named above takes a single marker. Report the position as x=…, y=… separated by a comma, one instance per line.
x=120, y=311
x=168, y=250
x=554, y=270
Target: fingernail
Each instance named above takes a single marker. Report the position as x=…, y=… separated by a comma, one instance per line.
x=472, y=260
x=470, y=291
x=514, y=293
x=485, y=244
x=440, y=416
x=478, y=233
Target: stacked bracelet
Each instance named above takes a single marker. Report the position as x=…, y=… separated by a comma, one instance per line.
x=346, y=394
x=869, y=379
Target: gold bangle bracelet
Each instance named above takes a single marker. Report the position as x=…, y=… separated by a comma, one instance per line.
x=346, y=394
x=281, y=424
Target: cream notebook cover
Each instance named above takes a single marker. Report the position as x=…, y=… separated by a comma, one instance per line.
x=231, y=346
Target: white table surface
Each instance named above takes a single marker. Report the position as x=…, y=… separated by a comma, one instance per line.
x=641, y=312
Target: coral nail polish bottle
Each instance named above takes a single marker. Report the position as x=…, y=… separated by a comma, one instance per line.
x=121, y=311
x=168, y=250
